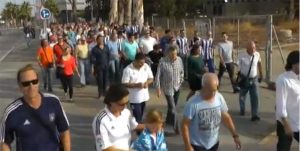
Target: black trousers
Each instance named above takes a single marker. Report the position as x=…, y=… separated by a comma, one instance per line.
x=67, y=82
x=138, y=111
x=230, y=69
x=284, y=142
x=102, y=80
x=200, y=148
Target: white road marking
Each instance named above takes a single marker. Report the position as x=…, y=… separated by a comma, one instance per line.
x=7, y=53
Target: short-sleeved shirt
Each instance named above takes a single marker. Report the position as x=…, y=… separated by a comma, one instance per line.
x=133, y=75
x=147, y=44
x=113, y=48
x=244, y=63
x=113, y=131
x=205, y=119
x=58, y=51
x=82, y=51
x=225, y=49
x=46, y=56
x=130, y=49
x=18, y=123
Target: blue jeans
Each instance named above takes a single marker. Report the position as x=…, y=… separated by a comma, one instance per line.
x=47, y=76
x=114, y=67
x=210, y=64
x=138, y=111
x=84, y=71
x=253, y=91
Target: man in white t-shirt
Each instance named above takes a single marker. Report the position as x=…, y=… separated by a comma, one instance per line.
x=288, y=102
x=147, y=42
x=251, y=71
x=137, y=77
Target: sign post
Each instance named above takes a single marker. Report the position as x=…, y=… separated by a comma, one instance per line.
x=45, y=14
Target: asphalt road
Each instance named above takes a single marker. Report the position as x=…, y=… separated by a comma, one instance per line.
x=254, y=136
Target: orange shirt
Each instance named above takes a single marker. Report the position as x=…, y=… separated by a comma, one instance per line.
x=46, y=56
x=58, y=51
x=69, y=66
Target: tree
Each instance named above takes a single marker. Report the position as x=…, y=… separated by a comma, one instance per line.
x=24, y=12
x=113, y=13
x=128, y=11
x=138, y=12
x=52, y=6
x=292, y=10
x=10, y=11
x=74, y=9
x=167, y=8
x=121, y=4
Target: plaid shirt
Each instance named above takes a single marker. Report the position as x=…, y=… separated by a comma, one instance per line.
x=169, y=76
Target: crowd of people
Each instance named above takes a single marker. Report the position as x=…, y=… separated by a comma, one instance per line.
x=126, y=61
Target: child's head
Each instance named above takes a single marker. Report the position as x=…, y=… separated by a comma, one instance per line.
x=154, y=121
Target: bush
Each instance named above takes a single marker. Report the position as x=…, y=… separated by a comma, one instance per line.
x=292, y=25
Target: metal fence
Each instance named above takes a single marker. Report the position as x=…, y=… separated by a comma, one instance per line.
x=240, y=29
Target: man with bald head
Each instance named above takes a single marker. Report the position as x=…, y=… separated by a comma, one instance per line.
x=250, y=74
x=203, y=114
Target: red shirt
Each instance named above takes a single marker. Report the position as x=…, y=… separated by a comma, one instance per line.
x=58, y=52
x=69, y=66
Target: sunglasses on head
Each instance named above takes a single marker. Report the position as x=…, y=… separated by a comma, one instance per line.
x=27, y=83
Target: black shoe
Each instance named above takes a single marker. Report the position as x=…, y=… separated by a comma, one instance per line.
x=255, y=118
x=236, y=90
x=242, y=113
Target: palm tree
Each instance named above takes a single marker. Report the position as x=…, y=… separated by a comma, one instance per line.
x=113, y=13
x=138, y=12
x=24, y=12
x=121, y=4
x=127, y=11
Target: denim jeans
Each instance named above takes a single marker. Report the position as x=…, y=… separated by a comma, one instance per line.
x=200, y=148
x=47, y=78
x=138, y=111
x=114, y=68
x=253, y=92
x=210, y=64
x=84, y=71
x=172, y=102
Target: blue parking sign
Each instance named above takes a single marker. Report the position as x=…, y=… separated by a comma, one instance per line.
x=45, y=13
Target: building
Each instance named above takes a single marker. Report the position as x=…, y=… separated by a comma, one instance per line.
x=65, y=8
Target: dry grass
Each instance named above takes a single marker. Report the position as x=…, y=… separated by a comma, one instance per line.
x=292, y=25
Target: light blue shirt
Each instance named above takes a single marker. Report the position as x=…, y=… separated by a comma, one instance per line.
x=113, y=48
x=205, y=119
x=130, y=49
x=145, y=142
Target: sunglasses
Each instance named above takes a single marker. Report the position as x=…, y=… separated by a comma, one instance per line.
x=27, y=83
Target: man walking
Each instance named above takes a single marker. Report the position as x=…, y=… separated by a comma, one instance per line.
x=169, y=77
x=82, y=55
x=182, y=43
x=208, y=52
x=203, y=114
x=137, y=77
x=226, y=60
x=36, y=121
x=249, y=64
x=45, y=58
x=114, y=60
x=287, y=103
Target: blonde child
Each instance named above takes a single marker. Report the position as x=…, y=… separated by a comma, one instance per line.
x=152, y=138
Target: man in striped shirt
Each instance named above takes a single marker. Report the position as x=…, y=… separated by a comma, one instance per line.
x=182, y=43
x=36, y=121
x=208, y=52
x=169, y=78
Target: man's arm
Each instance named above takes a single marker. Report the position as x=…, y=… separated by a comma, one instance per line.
x=227, y=120
x=259, y=65
x=185, y=134
x=65, y=139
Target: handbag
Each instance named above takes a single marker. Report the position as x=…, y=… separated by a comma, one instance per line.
x=50, y=129
x=243, y=81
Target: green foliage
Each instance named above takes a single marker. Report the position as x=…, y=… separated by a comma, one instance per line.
x=52, y=6
x=167, y=8
x=24, y=11
x=10, y=11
